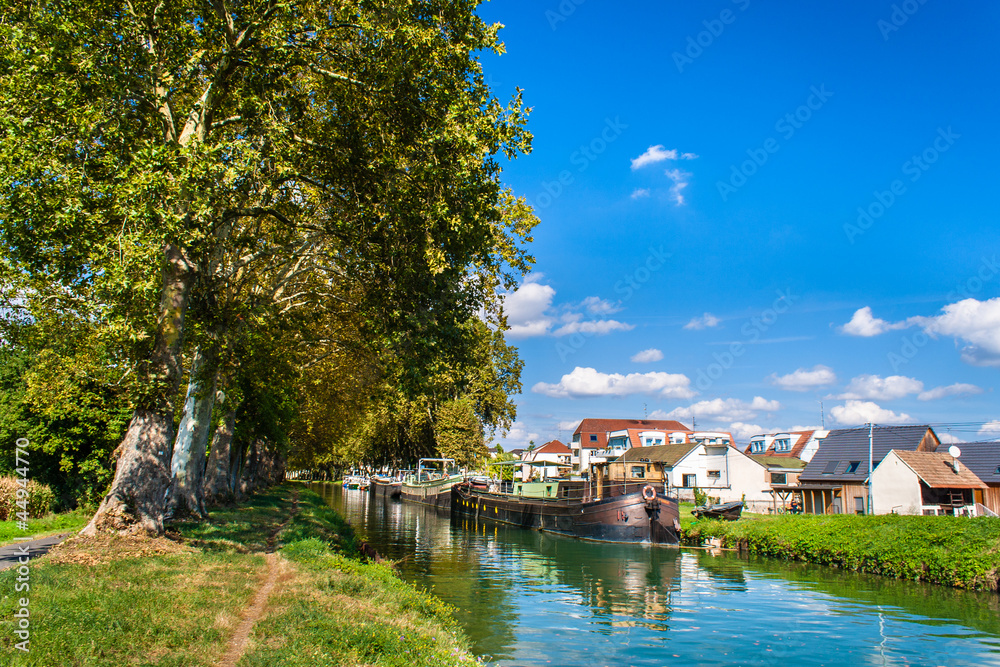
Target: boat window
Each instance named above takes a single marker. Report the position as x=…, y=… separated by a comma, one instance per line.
x=639, y=472
x=853, y=467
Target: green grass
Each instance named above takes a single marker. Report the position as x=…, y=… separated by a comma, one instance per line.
x=954, y=551
x=116, y=602
x=49, y=524
x=341, y=610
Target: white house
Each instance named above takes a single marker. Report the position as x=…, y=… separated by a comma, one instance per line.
x=908, y=482
x=721, y=471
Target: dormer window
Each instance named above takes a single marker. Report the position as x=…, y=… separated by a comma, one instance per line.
x=757, y=447
x=782, y=445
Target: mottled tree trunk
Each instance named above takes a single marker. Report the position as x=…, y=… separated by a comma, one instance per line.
x=217, y=484
x=187, y=466
x=249, y=472
x=135, y=502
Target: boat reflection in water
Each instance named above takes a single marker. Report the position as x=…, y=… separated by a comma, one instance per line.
x=526, y=597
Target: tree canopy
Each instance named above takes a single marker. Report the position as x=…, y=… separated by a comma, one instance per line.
x=311, y=191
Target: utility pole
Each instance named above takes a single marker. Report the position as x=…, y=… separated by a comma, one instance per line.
x=871, y=448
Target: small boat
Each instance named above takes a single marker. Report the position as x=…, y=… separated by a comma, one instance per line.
x=725, y=511
x=355, y=481
x=431, y=486
x=574, y=508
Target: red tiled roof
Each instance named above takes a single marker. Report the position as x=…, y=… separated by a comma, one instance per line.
x=553, y=447
x=794, y=452
x=935, y=469
x=601, y=428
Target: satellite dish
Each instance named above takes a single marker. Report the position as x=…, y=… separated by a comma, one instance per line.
x=954, y=451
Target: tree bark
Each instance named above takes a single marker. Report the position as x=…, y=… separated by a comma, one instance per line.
x=217, y=484
x=187, y=466
x=135, y=502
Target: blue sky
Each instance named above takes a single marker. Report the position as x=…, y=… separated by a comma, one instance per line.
x=748, y=208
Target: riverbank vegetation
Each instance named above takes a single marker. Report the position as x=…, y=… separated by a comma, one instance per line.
x=120, y=600
x=238, y=238
x=953, y=551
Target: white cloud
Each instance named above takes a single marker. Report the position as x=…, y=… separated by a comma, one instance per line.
x=588, y=383
x=518, y=436
x=804, y=379
x=647, y=356
x=991, y=429
x=862, y=412
x=881, y=389
x=957, y=389
x=640, y=192
x=681, y=181
x=743, y=432
x=592, y=327
x=568, y=425
x=653, y=155
x=526, y=308
x=705, y=321
x=530, y=312
x=598, y=306
x=948, y=438
x=689, y=156
x=863, y=323
x=973, y=321
x=723, y=410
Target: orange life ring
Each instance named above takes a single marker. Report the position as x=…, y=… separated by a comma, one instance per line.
x=648, y=492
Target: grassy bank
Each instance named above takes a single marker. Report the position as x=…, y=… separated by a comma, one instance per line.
x=952, y=551
x=49, y=524
x=180, y=601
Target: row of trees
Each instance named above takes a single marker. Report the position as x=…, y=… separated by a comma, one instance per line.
x=229, y=226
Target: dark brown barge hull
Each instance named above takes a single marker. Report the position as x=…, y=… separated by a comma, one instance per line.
x=384, y=488
x=627, y=518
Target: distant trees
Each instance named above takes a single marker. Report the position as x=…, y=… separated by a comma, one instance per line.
x=294, y=207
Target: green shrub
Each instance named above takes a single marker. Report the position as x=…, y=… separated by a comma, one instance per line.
x=954, y=551
x=39, y=498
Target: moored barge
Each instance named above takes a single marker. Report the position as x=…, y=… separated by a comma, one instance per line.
x=430, y=486
x=572, y=507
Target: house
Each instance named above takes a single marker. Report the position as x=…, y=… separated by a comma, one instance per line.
x=720, y=470
x=983, y=458
x=913, y=482
x=553, y=452
x=835, y=480
x=781, y=470
x=801, y=445
x=618, y=435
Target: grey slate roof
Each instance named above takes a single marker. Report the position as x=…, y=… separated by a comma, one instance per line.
x=842, y=447
x=982, y=458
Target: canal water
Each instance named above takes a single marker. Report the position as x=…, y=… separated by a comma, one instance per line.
x=530, y=598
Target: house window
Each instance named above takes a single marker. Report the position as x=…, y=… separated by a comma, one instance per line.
x=859, y=505
x=853, y=467
x=639, y=472
x=593, y=438
x=778, y=478
x=783, y=445
x=690, y=480
x=831, y=467
x=714, y=474
x=757, y=446
x=997, y=471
